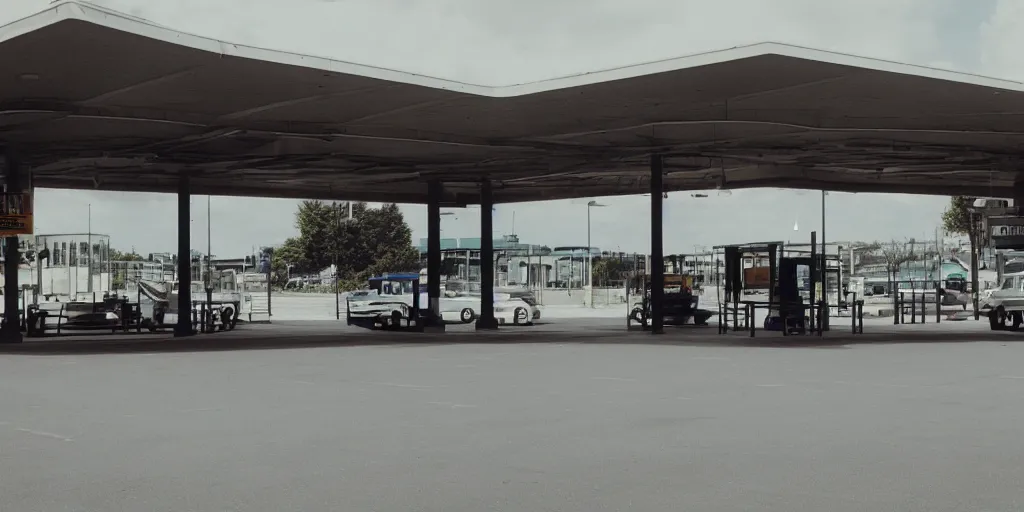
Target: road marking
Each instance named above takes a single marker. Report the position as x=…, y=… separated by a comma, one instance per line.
x=770, y=385
x=453, y=405
x=396, y=385
x=304, y=382
x=620, y=379
x=1014, y=377
x=44, y=434
x=202, y=409
x=710, y=358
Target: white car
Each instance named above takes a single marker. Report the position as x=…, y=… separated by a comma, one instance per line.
x=465, y=308
x=1005, y=304
x=391, y=310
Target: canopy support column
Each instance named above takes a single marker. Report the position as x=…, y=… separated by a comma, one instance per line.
x=486, y=319
x=435, y=190
x=657, y=247
x=11, y=330
x=184, y=325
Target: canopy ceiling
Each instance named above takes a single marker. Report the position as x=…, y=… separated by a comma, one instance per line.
x=94, y=99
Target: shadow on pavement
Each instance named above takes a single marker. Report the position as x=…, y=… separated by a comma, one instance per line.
x=329, y=334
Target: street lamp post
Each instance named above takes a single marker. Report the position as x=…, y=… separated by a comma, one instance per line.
x=590, y=255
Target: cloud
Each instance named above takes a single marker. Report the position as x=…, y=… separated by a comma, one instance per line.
x=501, y=42
x=1002, y=38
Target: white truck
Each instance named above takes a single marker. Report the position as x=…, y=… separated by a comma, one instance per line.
x=1005, y=307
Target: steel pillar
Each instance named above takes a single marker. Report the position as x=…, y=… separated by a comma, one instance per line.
x=435, y=190
x=657, y=247
x=184, y=325
x=486, y=319
x=11, y=330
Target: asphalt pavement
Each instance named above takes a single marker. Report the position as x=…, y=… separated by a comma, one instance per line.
x=572, y=416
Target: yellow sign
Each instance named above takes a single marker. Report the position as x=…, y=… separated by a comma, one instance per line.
x=680, y=280
x=16, y=214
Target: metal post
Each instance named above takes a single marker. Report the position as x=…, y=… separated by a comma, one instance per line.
x=209, y=265
x=270, y=279
x=657, y=247
x=183, y=327
x=486, y=319
x=824, y=268
x=11, y=330
x=812, y=310
x=924, y=307
x=337, y=291
x=974, y=270
x=88, y=238
x=434, y=193
x=913, y=304
x=590, y=261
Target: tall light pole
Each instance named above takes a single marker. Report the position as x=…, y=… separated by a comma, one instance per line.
x=590, y=255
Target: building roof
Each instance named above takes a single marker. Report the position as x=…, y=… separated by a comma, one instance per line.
x=95, y=99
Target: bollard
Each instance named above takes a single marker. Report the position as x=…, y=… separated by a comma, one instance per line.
x=720, y=319
x=853, y=316
x=903, y=302
x=895, y=309
x=821, y=318
x=913, y=306
x=938, y=307
x=924, y=308
x=750, y=316
x=860, y=318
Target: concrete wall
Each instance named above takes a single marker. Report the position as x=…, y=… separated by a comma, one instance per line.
x=577, y=297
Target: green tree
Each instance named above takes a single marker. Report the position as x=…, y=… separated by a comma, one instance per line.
x=961, y=219
x=367, y=242
x=610, y=269
x=288, y=256
x=116, y=255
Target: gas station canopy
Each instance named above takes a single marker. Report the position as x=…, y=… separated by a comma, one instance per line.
x=95, y=99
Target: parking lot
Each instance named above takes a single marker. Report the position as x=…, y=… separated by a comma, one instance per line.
x=309, y=416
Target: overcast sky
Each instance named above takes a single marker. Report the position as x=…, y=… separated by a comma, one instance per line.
x=502, y=42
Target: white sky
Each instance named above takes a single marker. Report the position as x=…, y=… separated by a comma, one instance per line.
x=503, y=42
